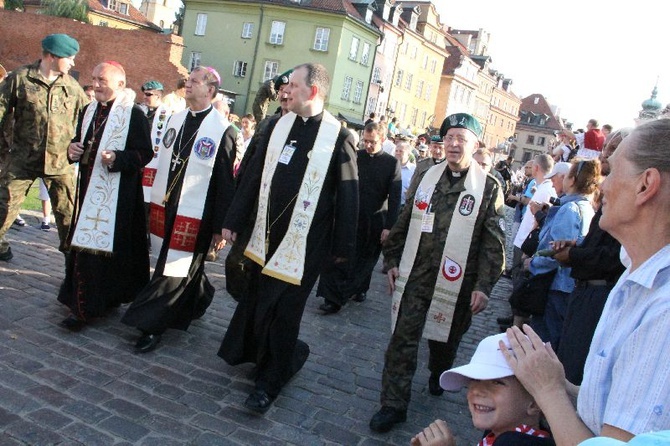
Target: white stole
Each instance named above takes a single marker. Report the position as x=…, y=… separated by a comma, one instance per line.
x=158, y=126
x=288, y=261
x=195, y=184
x=94, y=229
x=455, y=252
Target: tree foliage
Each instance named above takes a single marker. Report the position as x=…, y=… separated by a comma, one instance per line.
x=74, y=9
x=14, y=5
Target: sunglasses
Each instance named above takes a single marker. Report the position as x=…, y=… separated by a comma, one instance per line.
x=147, y=94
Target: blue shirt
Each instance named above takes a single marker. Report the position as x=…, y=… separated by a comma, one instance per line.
x=627, y=373
x=569, y=221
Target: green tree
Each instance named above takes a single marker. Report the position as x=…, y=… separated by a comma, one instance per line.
x=74, y=9
x=14, y=5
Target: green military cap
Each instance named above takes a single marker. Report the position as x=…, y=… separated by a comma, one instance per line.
x=461, y=121
x=282, y=79
x=60, y=45
x=152, y=85
x=436, y=139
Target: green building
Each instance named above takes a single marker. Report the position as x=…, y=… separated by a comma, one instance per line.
x=250, y=41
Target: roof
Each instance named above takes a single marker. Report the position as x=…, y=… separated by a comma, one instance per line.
x=134, y=15
x=528, y=105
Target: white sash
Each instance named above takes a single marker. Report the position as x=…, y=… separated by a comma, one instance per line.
x=94, y=230
x=158, y=126
x=454, y=254
x=195, y=184
x=288, y=262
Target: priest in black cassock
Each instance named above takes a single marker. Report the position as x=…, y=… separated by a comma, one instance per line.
x=189, y=198
x=304, y=180
x=108, y=258
x=379, y=186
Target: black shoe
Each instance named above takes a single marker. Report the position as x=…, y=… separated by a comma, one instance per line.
x=259, y=401
x=507, y=320
x=386, y=418
x=147, y=343
x=359, y=297
x=434, y=385
x=329, y=307
x=7, y=255
x=73, y=323
x=19, y=221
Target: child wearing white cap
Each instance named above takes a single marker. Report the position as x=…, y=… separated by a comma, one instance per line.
x=498, y=403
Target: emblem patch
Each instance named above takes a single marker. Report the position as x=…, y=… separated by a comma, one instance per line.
x=204, y=148
x=502, y=225
x=467, y=205
x=169, y=138
x=451, y=270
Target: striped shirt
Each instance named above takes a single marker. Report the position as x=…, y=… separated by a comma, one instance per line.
x=627, y=373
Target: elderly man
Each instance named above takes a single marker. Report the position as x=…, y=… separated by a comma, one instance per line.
x=403, y=151
x=443, y=255
x=108, y=261
x=625, y=391
x=187, y=212
x=42, y=102
x=303, y=181
x=379, y=195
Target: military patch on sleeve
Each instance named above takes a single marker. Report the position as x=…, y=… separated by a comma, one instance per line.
x=467, y=205
x=501, y=223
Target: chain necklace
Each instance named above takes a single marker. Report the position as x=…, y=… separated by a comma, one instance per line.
x=178, y=161
x=94, y=134
x=270, y=225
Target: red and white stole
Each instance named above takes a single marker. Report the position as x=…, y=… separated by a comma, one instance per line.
x=158, y=126
x=523, y=428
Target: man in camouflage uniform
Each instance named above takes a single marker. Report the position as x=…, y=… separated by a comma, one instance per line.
x=268, y=92
x=483, y=261
x=43, y=103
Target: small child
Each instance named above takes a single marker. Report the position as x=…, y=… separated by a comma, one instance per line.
x=498, y=403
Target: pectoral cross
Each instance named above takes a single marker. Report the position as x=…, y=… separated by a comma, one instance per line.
x=176, y=161
x=87, y=151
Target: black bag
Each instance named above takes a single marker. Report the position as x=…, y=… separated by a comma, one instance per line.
x=530, y=294
x=529, y=246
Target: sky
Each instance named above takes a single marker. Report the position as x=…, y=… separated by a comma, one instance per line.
x=591, y=59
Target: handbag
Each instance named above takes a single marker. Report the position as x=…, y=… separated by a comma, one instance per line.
x=530, y=244
x=530, y=294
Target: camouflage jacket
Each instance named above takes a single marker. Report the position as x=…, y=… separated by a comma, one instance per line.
x=486, y=257
x=44, y=119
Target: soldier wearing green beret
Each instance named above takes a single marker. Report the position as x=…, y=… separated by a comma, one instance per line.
x=40, y=104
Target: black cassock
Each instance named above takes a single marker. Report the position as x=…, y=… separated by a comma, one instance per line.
x=94, y=283
x=265, y=326
x=379, y=185
x=173, y=302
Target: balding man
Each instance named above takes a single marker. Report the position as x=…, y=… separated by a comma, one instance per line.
x=108, y=261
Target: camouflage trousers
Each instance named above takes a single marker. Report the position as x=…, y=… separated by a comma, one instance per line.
x=400, y=361
x=13, y=191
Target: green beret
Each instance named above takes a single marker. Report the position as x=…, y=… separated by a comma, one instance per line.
x=60, y=45
x=152, y=85
x=436, y=139
x=461, y=121
x=282, y=79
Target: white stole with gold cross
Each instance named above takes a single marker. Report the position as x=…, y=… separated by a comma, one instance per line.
x=195, y=184
x=455, y=252
x=288, y=261
x=94, y=229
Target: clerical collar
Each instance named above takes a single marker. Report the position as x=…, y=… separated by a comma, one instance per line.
x=455, y=177
x=374, y=155
x=316, y=118
x=440, y=161
x=195, y=113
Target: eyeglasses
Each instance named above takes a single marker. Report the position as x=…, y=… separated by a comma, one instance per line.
x=148, y=94
x=580, y=166
x=458, y=138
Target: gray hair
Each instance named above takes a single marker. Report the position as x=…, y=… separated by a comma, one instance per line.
x=652, y=146
x=544, y=162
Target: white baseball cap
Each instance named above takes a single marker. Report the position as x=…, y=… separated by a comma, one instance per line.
x=561, y=168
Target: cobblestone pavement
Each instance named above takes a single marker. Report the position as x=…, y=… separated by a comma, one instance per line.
x=90, y=388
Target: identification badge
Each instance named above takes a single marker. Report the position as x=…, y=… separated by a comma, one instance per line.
x=287, y=153
x=427, y=222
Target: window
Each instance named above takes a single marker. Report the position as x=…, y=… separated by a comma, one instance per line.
x=377, y=76
x=425, y=61
x=413, y=52
x=195, y=60
x=123, y=8
x=358, y=92
x=424, y=115
x=247, y=30
x=408, y=81
x=271, y=69
x=398, y=78
x=365, y=55
x=526, y=157
x=530, y=140
x=112, y=4
x=372, y=104
x=403, y=111
x=277, y=32
x=429, y=91
x=240, y=69
x=419, y=89
x=103, y=23
x=415, y=113
x=346, y=88
x=353, y=51
x=541, y=140
x=161, y=24
x=200, y=24
x=321, y=39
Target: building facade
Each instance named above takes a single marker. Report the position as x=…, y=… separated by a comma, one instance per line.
x=536, y=129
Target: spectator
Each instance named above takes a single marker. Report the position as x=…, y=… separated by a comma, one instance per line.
x=407, y=167
x=594, y=140
x=371, y=118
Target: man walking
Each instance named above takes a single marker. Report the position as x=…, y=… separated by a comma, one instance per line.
x=443, y=256
x=43, y=103
x=304, y=181
x=189, y=199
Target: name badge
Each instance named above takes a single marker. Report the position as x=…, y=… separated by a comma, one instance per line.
x=427, y=222
x=287, y=153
